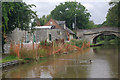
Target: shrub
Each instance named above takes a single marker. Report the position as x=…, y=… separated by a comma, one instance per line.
x=78, y=43
x=45, y=43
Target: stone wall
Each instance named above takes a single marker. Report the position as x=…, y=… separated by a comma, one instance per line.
x=16, y=36
x=90, y=34
x=56, y=34
x=97, y=30
x=43, y=34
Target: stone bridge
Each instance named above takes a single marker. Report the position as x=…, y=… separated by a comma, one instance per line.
x=92, y=34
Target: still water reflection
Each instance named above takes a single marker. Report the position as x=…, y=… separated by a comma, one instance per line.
x=74, y=65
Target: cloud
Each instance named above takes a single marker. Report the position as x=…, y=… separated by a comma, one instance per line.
x=88, y=6
x=43, y=8
x=97, y=8
x=66, y=0
x=98, y=11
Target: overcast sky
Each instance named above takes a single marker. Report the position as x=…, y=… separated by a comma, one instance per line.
x=97, y=8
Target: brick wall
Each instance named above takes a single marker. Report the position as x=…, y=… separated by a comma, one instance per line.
x=52, y=22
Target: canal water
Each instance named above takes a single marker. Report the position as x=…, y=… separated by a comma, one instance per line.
x=99, y=62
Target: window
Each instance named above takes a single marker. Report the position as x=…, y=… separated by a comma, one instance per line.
x=50, y=37
x=27, y=39
x=53, y=27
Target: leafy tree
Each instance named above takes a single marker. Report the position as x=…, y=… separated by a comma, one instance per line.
x=17, y=14
x=112, y=18
x=91, y=25
x=67, y=11
x=44, y=19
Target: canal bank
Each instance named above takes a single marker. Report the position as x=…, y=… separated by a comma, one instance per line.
x=25, y=53
x=74, y=65
x=95, y=45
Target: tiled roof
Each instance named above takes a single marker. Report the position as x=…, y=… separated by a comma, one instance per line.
x=62, y=23
x=69, y=30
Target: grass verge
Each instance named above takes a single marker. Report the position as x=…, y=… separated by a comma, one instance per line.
x=9, y=58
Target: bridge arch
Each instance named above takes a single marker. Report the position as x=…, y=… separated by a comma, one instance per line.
x=92, y=34
x=94, y=39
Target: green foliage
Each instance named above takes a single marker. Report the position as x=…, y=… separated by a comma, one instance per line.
x=115, y=41
x=44, y=19
x=45, y=43
x=27, y=59
x=9, y=58
x=66, y=12
x=112, y=18
x=108, y=39
x=78, y=43
x=16, y=15
x=91, y=25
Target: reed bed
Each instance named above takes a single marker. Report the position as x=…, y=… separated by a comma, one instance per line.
x=45, y=49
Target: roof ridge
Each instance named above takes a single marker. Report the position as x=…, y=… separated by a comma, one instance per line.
x=69, y=30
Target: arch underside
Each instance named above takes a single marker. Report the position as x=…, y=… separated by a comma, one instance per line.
x=92, y=34
x=102, y=34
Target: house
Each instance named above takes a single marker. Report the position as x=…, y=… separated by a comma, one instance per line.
x=60, y=25
x=49, y=34
x=52, y=30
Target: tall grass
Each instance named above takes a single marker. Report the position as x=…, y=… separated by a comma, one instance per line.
x=78, y=43
x=45, y=49
x=24, y=53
